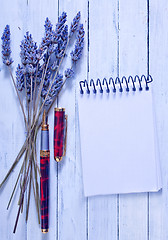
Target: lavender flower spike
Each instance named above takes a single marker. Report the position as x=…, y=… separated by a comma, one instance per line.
x=62, y=43
x=28, y=53
x=48, y=38
x=77, y=52
x=69, y=73
x=6, y=50
x=54, y=90
x=19, y=78
x=61, y=21
x=59, y=27
x=74, y=24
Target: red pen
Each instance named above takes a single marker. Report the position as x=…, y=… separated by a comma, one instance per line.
x=44, y=179
x=60, y=133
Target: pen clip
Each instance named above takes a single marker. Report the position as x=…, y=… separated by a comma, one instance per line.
x=65, y=144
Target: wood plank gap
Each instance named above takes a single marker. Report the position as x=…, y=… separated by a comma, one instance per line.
x=118, y=70
x=26, y=232
x=58, y=8
x=57, y=206
x=148, y=74
x=118, y=214
x=118, y=39
x=88, y=48
x=57, y=216
x=148, y=216
x=87, y=219
x=88, y=42
x=57, y=186
x=148, y=37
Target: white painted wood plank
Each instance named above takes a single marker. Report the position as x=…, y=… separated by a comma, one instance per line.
x=103, y=46
x=133, y=211
x=158, y=38
x=11, y=124
x=37, y=11
x=71, y=201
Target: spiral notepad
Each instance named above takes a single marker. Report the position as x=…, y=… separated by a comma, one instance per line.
x=118, y=136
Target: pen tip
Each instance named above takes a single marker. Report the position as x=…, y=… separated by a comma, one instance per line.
x=44, y=125
x=44, y=118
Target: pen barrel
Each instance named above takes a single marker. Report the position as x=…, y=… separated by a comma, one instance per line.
x=59, y=133
x=44, y=189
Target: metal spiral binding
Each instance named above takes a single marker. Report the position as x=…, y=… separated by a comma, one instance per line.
x=111, y=82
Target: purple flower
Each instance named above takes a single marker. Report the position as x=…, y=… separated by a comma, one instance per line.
x=62, y=42
x=77, y=52
x=39, y=53
x=19, y=78
x=60, y=25
x=69, y=73
x=6, y=50
x=54, y=89
x=48, y=37
x=51, y=51
x=38, y=73
x=28, y=53
x=56, y=85
x=74, y=24
x=46, y=84
x=30, y=68
x=54, y=66
x=54, y=39
x=59, y=28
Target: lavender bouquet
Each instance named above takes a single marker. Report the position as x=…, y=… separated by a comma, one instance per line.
x=40, y=80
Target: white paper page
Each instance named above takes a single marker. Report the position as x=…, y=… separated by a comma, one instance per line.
x=118, y=142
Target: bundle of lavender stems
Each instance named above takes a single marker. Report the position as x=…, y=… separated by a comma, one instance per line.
x=40, y=80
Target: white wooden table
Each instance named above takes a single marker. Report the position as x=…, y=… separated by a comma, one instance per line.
x=123, y=37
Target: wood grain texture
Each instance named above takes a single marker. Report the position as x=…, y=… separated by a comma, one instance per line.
x=12, y=136
x=71, y=202
x=116, y=43
x=103, y=55
x=133, y=208
x=158, y=52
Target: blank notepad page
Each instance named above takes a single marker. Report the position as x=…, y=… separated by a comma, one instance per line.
x=118, y=142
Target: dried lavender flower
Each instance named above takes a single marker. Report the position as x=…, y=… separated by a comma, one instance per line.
x=69, y=73
x=60, y=25
x=50, y=49
x=77, y=52
x=74, y=24
x=19, y=78
x=30, y=62
x=56, y=85
x=6, y=50
x=62, y=43
x=48, y=37
x=54, y=89
x=38, y=73
x=46, y=84
x=28, y=52
x=54, y=66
